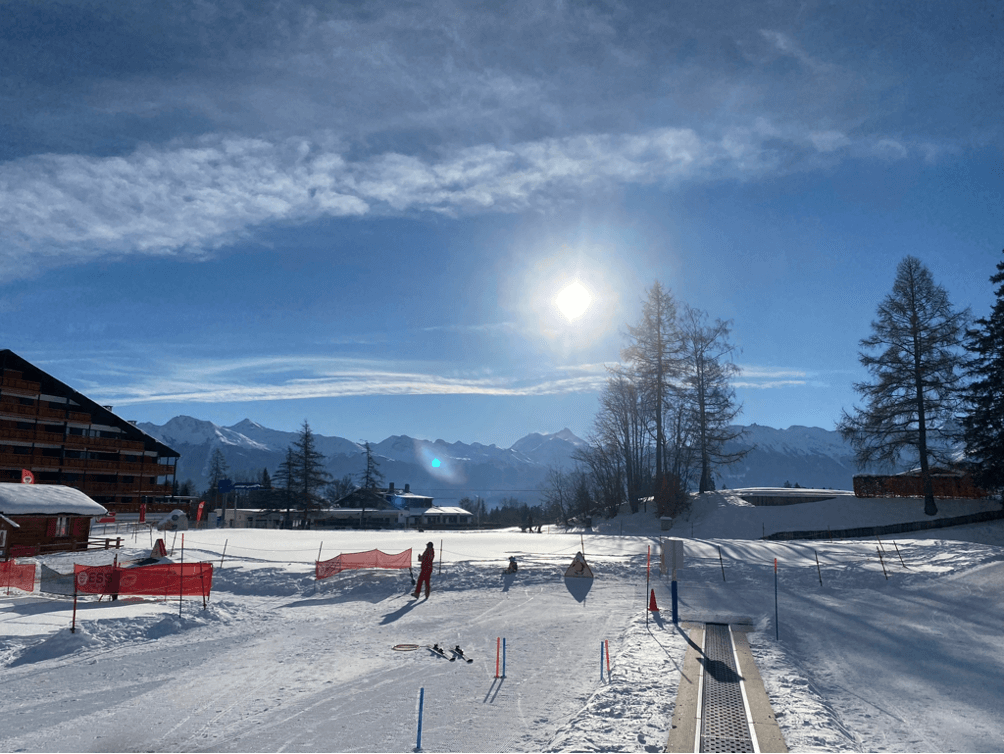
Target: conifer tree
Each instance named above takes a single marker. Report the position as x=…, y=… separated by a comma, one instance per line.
x=707, y=396
x=371, y=476
x=655, y=359
x=984, y=399
x=914, y=392
x=308, y=473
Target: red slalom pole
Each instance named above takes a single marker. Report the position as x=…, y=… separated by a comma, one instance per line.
x=607, y=643
x=498, y=654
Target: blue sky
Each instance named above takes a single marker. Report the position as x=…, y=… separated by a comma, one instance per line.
x=359, y=214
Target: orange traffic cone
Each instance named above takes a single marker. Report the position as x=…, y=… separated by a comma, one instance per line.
x=651, y=603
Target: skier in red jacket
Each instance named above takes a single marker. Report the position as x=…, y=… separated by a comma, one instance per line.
x=426, y=559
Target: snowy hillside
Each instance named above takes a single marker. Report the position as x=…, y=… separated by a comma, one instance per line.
x=448, y=470
x=909, y=660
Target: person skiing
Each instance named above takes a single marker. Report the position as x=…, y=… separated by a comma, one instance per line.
x=513, y=568
x=426, y=558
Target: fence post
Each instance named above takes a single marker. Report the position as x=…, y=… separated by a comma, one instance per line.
x=817, y=567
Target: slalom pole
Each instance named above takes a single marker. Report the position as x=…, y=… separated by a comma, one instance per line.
x=503, y=657
x=648, y=568
x=721, y=562
x=421, y=704
x=606, y=643
x=899, y=553
x=319, y=551
x=181, y=576
x=601, y=660
x=884, y=573
x=498, y=654
x=440, y=571
x=73, y=625
x=817, y=567
x=777, y=632
x=224, y=553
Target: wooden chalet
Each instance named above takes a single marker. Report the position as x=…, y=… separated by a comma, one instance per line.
x=36, y=519
x=63, y=437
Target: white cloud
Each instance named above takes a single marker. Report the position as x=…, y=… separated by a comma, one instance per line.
x=191, y=198
x=295, y=378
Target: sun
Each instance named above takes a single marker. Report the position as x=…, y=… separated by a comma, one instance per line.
x=573, y=300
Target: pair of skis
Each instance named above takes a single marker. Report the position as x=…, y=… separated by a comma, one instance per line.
x=457, y=653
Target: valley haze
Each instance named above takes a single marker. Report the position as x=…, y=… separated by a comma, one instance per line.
x=808, y=456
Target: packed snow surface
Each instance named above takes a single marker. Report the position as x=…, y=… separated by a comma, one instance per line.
x=902, y=653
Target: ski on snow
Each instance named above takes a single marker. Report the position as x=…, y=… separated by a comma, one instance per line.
x=436, y=649
x=458, y=652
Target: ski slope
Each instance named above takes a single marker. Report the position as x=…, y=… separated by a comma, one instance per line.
x=279, y=662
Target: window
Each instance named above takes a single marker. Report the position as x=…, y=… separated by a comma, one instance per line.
x=62, y=526
x=3, y=539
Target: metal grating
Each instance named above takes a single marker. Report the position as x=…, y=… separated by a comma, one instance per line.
x=723, y=720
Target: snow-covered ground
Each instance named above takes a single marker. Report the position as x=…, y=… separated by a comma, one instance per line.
x=279, y=662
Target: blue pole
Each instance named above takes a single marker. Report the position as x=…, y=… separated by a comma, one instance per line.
x=503, y=657
x=676, y=611
x=601, y=660
x=777, y=635
x=421, y=703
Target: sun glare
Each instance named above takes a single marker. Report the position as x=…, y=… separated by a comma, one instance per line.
x=573, y=301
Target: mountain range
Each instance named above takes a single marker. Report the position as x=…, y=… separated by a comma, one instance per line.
x=808, y=456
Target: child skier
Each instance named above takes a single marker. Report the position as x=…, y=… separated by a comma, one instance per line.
x=426, y=558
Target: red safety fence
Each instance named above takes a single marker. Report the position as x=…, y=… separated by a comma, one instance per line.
x=353, y=560
x=162, y=580
x=17, y=575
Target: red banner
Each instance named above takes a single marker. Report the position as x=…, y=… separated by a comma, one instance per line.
x=353, y=560
x=162, y=580
x=27, y=477
x=198, y=514
x=142, y=513
x=18, y=575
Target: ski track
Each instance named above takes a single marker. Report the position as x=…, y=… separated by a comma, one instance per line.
x=279, y=662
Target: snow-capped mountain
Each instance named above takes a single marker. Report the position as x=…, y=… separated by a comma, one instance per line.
x=447, y=471
x=808, y=456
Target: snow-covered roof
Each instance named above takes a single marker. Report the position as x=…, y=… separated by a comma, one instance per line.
x=440, y=511
x=46, y=499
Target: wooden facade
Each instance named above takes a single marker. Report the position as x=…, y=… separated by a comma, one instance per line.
x=63, y=437
x=42, y=534
x=947, y=483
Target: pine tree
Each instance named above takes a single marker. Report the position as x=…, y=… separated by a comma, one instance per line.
x=371, y=477
x=705, y=391
x=308, y=473
x=913, y=396
x=984, y=398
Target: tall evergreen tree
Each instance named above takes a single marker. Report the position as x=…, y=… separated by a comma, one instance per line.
x=984, y=399
x=706, y=393
x=913, y=395
x=370, y=478
x=309, y=475
x=654, y=357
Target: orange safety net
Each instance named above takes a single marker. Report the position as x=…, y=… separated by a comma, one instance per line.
x=17, y=575
x=370, y=559
x=164, y=579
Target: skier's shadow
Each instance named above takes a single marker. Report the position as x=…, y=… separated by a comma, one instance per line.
x=578, y=587
x=399, y=613
x=507, y=581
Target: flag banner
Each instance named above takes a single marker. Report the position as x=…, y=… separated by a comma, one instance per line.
x=27, y=477
x=17, y=575
x=142, y=513
x=162, y=580
x=109, y=519
x=352, y=560
x=198, y=514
